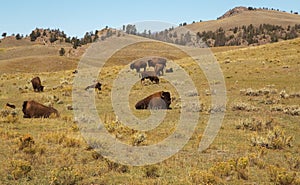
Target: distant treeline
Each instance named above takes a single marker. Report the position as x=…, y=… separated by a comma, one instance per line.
x=249, y=35
x=244, y=35
x=168, y=35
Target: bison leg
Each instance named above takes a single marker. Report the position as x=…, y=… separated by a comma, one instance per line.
x=26, y=116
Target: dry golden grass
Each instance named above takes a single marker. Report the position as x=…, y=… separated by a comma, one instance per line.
x=246, y=18
x=45, y=151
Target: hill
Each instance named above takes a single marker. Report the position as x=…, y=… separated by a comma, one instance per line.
x=246, y=17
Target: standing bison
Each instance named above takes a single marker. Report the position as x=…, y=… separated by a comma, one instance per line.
x=147, y=73
x=153, y=79
x=138, y=65
x=36, y=84
x=159, y=69
x=158, y=100
x=157, y=60
x=32, y=109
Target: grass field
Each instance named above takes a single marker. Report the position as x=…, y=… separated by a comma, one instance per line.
x=255, y=18
x=258, y=142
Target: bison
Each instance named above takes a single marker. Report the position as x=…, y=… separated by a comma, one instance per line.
x=138, y=65
x=153, y=79
x=32, y=109
x=144, y=74
x=159, y=69
x=96, y=86
x=170, y=70
x=36, y=84
x=158, y=100
x=10, y=105
x=152, y=62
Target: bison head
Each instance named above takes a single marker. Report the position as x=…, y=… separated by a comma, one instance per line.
x=166, y=97
x=98, y=86
x=150, y=63
x=132, y=66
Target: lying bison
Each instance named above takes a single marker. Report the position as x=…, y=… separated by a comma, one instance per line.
x=95, y=86
x=10, y=105
x=138, y=65
x=158, y=100
x=32, y=109
x=170, y=70
x=156, y=60
x=36, y=84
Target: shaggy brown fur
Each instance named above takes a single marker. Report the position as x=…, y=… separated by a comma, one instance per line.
x=36, y=84
x=158, y=100
x=138, y=65
x=32, y=109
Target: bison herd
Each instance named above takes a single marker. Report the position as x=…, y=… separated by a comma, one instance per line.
x=158, y=100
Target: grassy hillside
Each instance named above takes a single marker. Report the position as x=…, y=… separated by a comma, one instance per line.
x=28, y=57
x=256, y=18
x=258, y=141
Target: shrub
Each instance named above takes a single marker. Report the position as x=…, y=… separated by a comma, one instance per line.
x=241, y=167
x=244, y=107
x=255, y=124
x=65, y=175
x=138, y=138
x=222, y=169
x=275, y=139
x=114, y=166
x=257, y=158
x=9, y=115
x=204, y=177
x=26, y=141
x=151, y=171
x=281, y=176
x=293, y=161
x=20, y=169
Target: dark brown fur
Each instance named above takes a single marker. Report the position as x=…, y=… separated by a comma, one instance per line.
x=96, y=86
x=10, y=105
x=159, y=69
x=138, y=65
x=32, y=109
x=158, y=100
x=170, y=70
x=153, y=79
x=152, y=62
x=36, y=84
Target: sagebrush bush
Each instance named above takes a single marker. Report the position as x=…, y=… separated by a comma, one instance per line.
x=223, y=169
x=20, y=169
x=138, y=138
x=255, y=124
x=282, y=176
x=241, y=106
x=26, y=141
x=65, y=175
x=205, y=177
x=151, y=171
x=275, y=139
